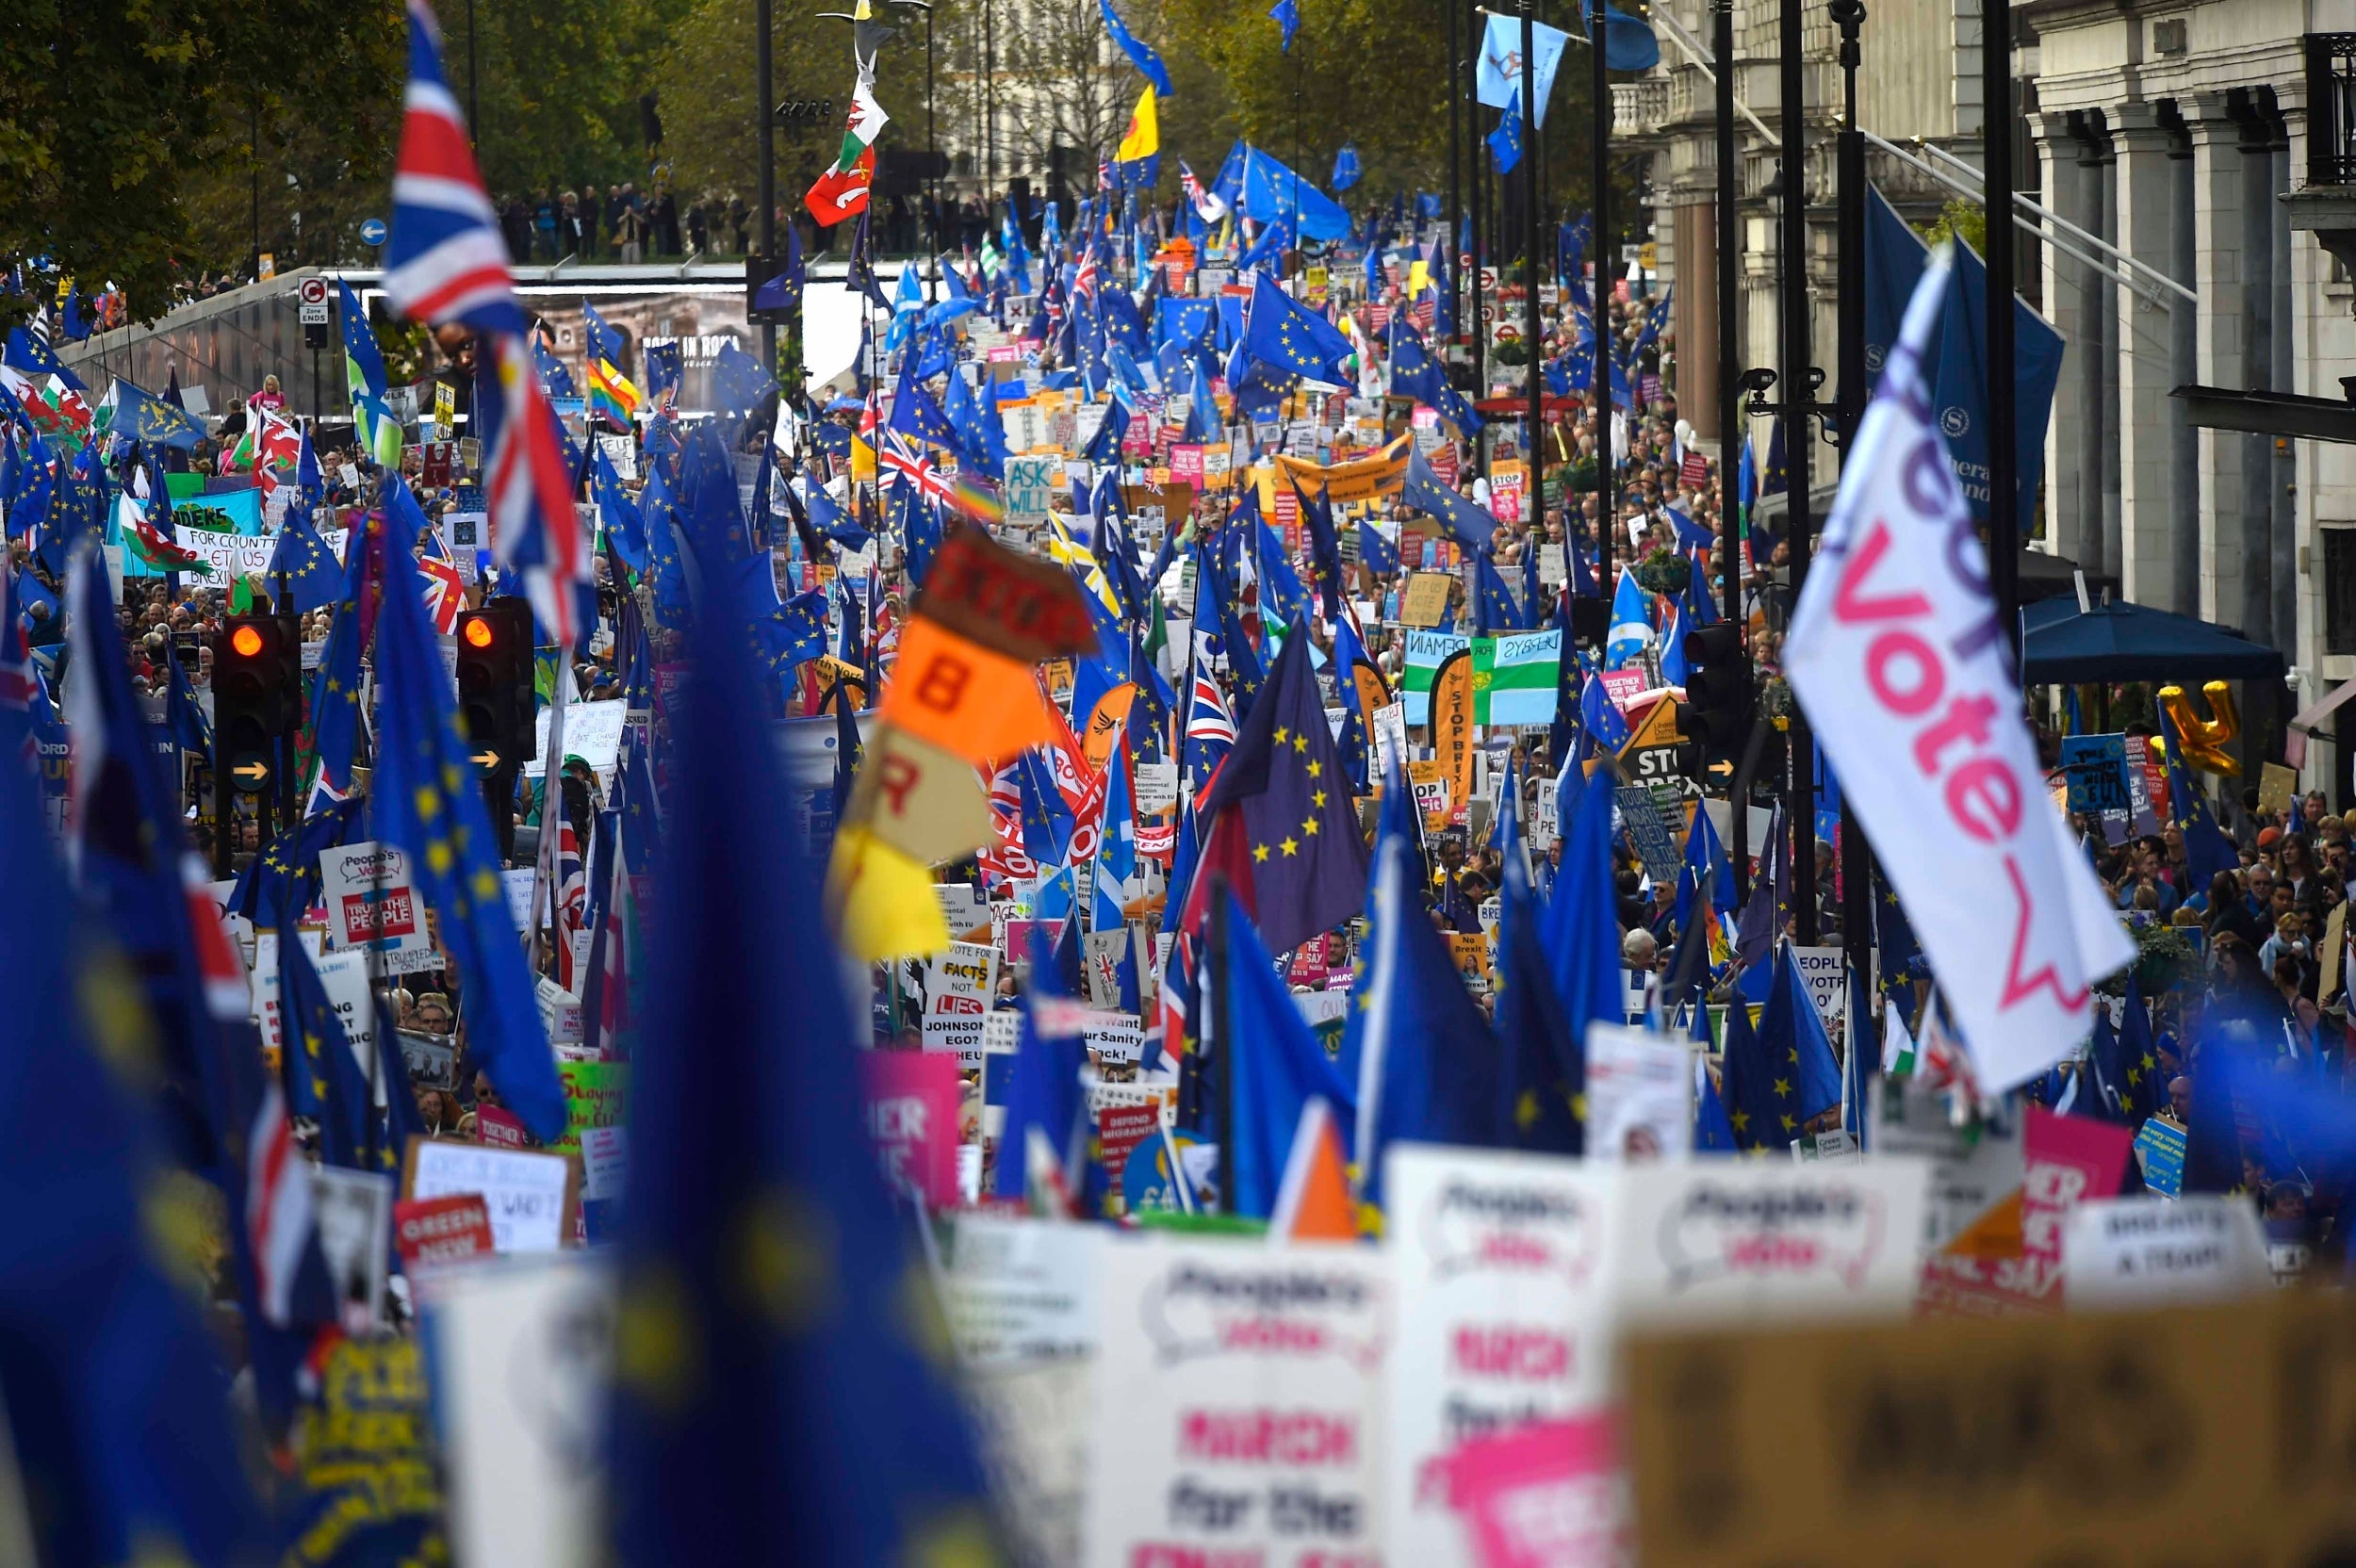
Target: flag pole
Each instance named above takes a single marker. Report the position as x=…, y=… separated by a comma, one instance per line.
x=1535, y=502
x=764, y=109
x=1215, y=1030
x=2003, y=501
x=1599, y=306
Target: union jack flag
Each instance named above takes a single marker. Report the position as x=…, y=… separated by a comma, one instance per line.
x=572, y=904
x=1006, y=858
x=444, y=590
x=534, y=525
x=16, y=655
x=1210, y=728
x=445, y=261
x=901, y=459
x=1084, y=279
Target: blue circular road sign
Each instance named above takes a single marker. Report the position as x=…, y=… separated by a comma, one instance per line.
x=372, y=230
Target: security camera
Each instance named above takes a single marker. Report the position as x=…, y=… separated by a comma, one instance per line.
x=1756, y=381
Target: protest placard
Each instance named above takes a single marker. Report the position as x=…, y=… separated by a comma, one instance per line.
x=1654, y=842
x=963, y=907
x=1500, y=1266
x=2142, y=1252
x=1016, y=1291
x=1032, y=1422
x=1828, y=981
x=371, y=895
x=2160, y=1154
x=604, y=1163
x=1549, y=1495
x=522, y=1359
x=1639, y=1095
x=1100, y=955
x=1237, y=1401
x=351, y=1213
x=911, y=1103
x=436, y=1232
x=597, y=1094
x=1425, y=600
x=531, y=1196
x=958, y=986
x=1030, y=488
x=1426, y=652
x=593, y=733
x=2097, y=769
x=1880, y=1445
x=1156, y=785
x=1713, y=1242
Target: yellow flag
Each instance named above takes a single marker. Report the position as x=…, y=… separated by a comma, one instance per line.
x=883, y=902
x=1418, y=276
x=1144, y=137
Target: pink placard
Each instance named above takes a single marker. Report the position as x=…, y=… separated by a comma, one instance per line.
x=1623, y=687
x=500, y=1129
x=1545, y=1495
x=2065, y=1161
x=912, y=1102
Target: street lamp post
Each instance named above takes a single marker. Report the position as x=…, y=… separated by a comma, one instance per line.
x=1607, y=530
x=765, y=104
x=2004, y=499
x=1534, y=502
x=1799, y=388
x=1730, y=395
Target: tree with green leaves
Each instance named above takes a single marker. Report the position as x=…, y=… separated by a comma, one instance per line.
x=121, y=122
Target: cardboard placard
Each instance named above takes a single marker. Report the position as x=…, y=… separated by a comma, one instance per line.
x=1949, y=1444
x=2141, y=1251
x=1639, y=1095
x=534, y=1197
x=1425, y=600
x=1017, y=1291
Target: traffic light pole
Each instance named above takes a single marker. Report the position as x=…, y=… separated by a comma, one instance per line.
x=1799, y=386
x=1856, y=855
x=1731, y=414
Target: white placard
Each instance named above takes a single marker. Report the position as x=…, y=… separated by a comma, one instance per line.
x=1021, y=1291
x=1238, y=1402
x=1100, y=953
x=1156, y=787
x=1827, y=983
x=962, y=905
x=604, y=1162
x=1501, y=1268
x=2144, y=1251
x=1639, y=1095
x=356, y=879
x=1718, y=1242
x=593, y=733
x=522, y=1370
x=958, y=986
x=524, y=1191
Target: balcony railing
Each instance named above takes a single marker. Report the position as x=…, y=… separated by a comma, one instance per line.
x=2330, y=108
x=1640, y=107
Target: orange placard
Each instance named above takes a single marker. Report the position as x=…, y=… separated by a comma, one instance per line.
x=962, y=697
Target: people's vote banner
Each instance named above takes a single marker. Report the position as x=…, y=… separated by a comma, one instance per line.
x=1502, y=1271
x=1239, y=1397
x=1736, y=1241
x=1898, y=657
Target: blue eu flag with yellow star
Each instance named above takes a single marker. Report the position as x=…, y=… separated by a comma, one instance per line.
x=1285, y=781
x=304, y=564
x=335, y=720
x=430, y=804
x=1414, y=1045
x=2207, y=850
x=1282, y=333
x=776, y=1394
x=1259, y=1035
x=1782, y=1074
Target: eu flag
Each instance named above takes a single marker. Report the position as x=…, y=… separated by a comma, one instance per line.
x=303, y=562
x=1376, y=554
x=625, y=531
x=776, y=1396
x=1047, y=1124
x=915, y=414
x=1581, y=928
x=1802, y=1080
x=1413, y=1044
x=425, y=778
x=738, y=382
x=152, y=422
x=1284, y=779
x=1274, y=1065
x=1466, y=523
x=117, y=1412
x=1541, y=1038
x=334, y=712
x=1285, y=334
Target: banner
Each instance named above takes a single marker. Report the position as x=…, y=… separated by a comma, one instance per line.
x=1897, y=657
x=1452, y=725
x=1365, y=479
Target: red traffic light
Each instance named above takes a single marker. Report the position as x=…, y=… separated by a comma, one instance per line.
x=477, y=631
x=246, y=642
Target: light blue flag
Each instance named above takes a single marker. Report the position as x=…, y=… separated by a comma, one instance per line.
x=1631, y=623
x=1115, y=846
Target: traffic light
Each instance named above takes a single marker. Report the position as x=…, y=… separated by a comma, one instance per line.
x=257, y=696
x=495, y=702
x=258, y=706
x=1716, y=714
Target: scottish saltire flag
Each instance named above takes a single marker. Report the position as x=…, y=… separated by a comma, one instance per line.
x=1630, y=631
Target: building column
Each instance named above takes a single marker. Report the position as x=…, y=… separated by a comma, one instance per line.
x=2151, y=509
x=2067, y=435
x=1693, y=312
x=2217, y=275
